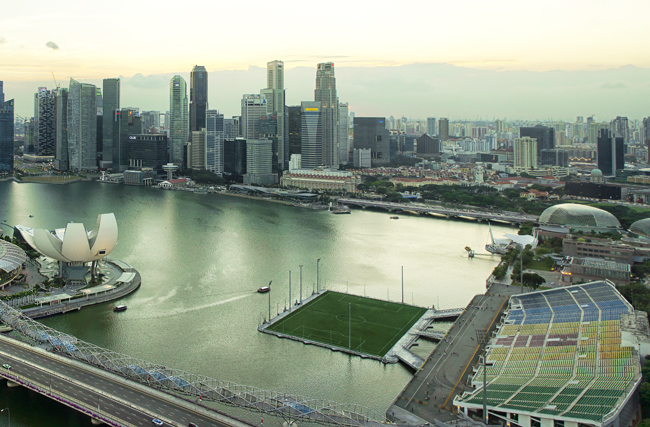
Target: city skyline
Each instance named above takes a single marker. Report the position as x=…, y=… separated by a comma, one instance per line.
x=475, y=40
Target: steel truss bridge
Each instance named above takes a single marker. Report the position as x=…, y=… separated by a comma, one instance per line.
x=291, y=408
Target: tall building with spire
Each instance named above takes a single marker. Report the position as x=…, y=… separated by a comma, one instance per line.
x=198, y=97
x=6, y=132
x=82, y=126
x=179, y=124
x=275, y=97
x=325, y=93
x=110, y=124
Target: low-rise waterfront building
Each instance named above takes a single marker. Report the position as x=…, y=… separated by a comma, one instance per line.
x=586, y=269
x=320, y=179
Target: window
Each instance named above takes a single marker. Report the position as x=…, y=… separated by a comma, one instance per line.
x=535, y=422
x=558, y=423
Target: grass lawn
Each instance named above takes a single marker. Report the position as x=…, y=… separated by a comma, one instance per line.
x=540, y=265
x=376, y=325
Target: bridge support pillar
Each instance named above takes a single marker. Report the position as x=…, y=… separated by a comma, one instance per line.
x=12, y=384
x=96, y=422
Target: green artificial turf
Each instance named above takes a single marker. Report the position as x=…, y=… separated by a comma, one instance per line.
x=376, y=325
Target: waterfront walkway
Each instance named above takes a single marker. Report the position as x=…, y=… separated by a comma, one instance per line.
x=430, y=393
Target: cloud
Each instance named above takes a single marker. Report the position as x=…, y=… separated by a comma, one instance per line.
x=3, y=40
x=52, y=45
x=610, y=85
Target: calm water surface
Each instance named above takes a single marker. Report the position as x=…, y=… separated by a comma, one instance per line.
x=202, y=257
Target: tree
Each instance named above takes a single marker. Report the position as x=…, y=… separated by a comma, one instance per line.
x=644, y=395
x=533, y=280
x=526, y=228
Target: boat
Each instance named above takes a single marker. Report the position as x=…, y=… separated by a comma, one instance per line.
x=438, y=215
x=339, y=209
x=394, y=217
x=119, y=308
x=31, y=216
x=265, y=289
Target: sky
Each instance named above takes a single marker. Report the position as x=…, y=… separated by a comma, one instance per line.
x=462, y=59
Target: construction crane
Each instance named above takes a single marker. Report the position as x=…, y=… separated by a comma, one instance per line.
x=55, y=83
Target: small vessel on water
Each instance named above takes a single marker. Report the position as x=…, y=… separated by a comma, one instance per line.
x=31, y=216
x=119, y=308
x=394, y=217
x=265, y=289
x=494, y=247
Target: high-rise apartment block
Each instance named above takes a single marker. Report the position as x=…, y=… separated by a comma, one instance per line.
x=621, y=127
x=82, y=126
x=6, y=132
x=214, y=137
x=525, y=153
x=198, y=97
x=645, y=136
x=325, y=93
x=178, y=119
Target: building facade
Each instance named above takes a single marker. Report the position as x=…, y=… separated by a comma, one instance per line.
x=198, y=97
x=611, y=152
x=129, y=124
x=276, y=106
x=178, y=119
x=147, y=151
x=544, y=136
x=61, y=142
x=196, y=158
x=44, y=122
x=82, y=126
x=6, y=132
x=253, y=107
x=110, y=122
x=214, y=137
x=294, y=129
x=443, y=129
x=525, y=153
x=344, y=138
x=371, y=132
x=320, y=180
x=311, y=135
x=325, y=93
x=259, y=164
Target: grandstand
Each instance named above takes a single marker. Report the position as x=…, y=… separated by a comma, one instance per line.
x=559, y=359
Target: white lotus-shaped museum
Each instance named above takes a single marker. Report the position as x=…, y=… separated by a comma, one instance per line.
x=74, y=243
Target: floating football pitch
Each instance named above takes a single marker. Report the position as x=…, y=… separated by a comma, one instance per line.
x=375, y=325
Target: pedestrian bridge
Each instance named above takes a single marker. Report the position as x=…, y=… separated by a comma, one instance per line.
x=174, y=382
x=439, y=211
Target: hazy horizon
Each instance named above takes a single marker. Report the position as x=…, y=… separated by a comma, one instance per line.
x=414, y=90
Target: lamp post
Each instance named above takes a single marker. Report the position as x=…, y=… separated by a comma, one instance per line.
x=402, y=284
x=521, y=270
x=290, y=303
x=8, y=414
x=317, y=262
x=481, y=336
x=300, y=284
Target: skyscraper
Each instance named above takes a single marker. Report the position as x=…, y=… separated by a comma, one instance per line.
x=44, y=122
x=545, y=137
x=198, y=97
x=214, y=137
x=645, y=136
x=61, y=151
x=293, y=129
x=611, y=152
x=325, y=93
x=276, y=105
x=258, y=162
x=525, y=153
x=431, y=126
x=6, y=132
x=311, y=134
x=82, y=126
x=179, y=125
x=443, y=129
x=196, y=160
x=621, y=127
x=110, y=125
x=371, y=132
x=344, y=142
x=253, y=106
x=130, y=124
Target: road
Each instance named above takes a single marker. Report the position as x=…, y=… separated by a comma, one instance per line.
x=430, y=393
x=129, y=405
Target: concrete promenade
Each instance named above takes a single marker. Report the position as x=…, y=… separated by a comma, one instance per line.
x=430, y=393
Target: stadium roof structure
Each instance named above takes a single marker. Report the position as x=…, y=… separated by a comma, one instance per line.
x=641, y=227
x=74, y=243
x=11, y=257
x=579, y=216
x=560, y=354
